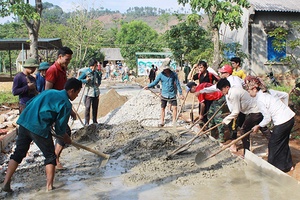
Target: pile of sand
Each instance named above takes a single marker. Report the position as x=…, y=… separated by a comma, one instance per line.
x=110, y=101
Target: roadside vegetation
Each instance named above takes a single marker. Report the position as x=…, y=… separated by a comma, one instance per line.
x=7, y=98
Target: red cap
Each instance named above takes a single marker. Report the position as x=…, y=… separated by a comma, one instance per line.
x=226, y=68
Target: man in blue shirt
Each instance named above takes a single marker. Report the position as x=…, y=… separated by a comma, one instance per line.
x=92, y=81
x=170, y=82
x=49, y=107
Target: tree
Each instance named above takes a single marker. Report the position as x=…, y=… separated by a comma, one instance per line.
x=136, y=36
x=184, y=38
x=228, y=12
x=85, y=36
x=29, y=14
x=291, y=46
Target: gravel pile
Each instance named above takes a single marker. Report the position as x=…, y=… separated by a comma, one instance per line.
x=144, y=107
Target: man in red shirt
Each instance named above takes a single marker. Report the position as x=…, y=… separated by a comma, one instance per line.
x=56, y=77
x=209, y=104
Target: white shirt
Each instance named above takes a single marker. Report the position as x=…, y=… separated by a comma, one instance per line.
x=283, y=96
x=273, y=109
x=240, y=101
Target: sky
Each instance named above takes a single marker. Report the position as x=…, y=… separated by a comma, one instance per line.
x=120, y=5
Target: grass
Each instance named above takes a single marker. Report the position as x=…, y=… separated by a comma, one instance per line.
x=8, y=98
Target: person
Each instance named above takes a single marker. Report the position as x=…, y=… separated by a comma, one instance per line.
x=82, y=71
x=203, y=75
x=169, y=80
x=51, y=106
x=40, y=76
x=152, y=74
x=92, y=80
x=56, y=77
x=242, y=102
x=107, y=71
x=237, y=69
x=24, y=84
x=217, y=100
x=186, y=71
x=273, y=109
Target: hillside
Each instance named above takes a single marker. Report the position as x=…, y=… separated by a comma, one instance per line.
x=110, y=20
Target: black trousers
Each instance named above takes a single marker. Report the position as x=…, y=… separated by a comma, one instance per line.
x=91, y=101
x=251, y=120
x=279, y=150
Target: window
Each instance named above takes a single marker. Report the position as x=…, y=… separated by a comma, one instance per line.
x=274, y=54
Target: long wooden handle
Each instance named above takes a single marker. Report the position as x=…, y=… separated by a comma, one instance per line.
x=228, y=145
x=182, y=105
x=103, y=155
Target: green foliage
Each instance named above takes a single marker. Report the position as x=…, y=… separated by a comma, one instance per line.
x=228, y=11
x=185, y=38
x=52, y=13
x=292, y=46
x=18, y=8
x=136, y=36
x=8, y=97
x=84, y=37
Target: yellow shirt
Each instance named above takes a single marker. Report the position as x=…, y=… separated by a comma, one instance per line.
x=240, y=73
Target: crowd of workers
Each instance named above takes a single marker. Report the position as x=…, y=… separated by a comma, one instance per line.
x=45, y=105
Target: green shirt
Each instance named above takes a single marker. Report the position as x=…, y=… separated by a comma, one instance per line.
x=50, y=106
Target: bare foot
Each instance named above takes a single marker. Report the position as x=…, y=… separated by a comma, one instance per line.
x=50, y=188
x=292, y=168
x=7, y=188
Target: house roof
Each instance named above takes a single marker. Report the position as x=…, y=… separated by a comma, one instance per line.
x=276, y=5
x=112, y=54
x=17, y=43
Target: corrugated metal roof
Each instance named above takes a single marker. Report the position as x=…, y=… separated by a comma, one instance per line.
x=112, y=54
x=16, y=43
x=276, y=5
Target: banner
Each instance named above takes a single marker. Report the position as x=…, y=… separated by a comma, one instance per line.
x=145, y=65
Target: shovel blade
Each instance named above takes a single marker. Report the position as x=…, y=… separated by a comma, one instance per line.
x=204, y=160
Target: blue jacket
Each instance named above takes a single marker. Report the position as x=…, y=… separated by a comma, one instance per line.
x=92, y=84
x=169, y=84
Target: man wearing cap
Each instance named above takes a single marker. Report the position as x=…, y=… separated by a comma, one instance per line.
x=24, y=84
x=170, y=82
x=209, y=104
x=56, y=78
x=40, y=76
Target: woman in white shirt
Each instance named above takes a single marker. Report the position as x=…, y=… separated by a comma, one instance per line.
x=282, y=116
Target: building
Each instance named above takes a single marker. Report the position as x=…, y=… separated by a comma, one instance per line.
x=262, y=17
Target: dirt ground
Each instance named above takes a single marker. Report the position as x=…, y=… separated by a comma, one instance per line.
x=138, y=167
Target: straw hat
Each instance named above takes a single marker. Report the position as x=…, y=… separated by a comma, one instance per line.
x=166, y=64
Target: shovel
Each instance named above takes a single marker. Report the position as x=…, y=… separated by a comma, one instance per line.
x=192, y=110
x=188, y=143
x=182, y=106
x=77, y=145
x=201, y=156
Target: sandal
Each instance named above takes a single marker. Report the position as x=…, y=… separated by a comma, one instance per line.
x=161, y=125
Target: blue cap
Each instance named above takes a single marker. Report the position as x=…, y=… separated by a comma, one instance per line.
x=44, y=66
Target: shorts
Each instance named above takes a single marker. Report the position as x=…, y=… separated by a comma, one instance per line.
x=60, y=141
x=164, y=101
x=24, y=139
